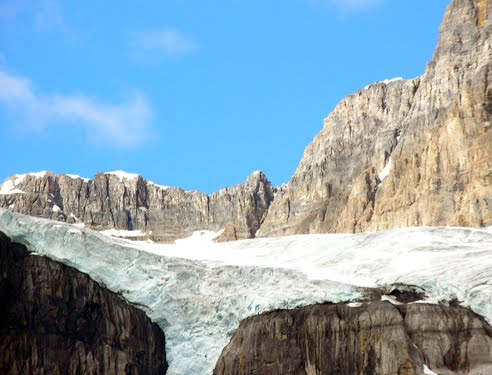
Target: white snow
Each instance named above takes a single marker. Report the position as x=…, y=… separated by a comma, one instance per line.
x=55, y=208
x=198, y=291
x=354, y=304
x=9, y=187
x=122, y=175
x=163, y=187
x=390, y=299
x=21, y=177
x=387, y=81
x=198, y=238
x=122, y=233
x=428, y=371
x=77, y=177
x=386, y=170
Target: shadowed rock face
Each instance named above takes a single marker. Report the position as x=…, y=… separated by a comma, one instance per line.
x=163, y=213
x=378, y=338
x=433, y=133
x=56, y=320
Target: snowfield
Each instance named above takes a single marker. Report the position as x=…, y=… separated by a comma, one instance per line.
x=199, y=291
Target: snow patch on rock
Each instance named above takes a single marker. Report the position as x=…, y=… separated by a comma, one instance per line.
x=9, y=187
x=386, y=170
x=77, y=177
x=122, y=233
x=428, y=371
x=122, y=175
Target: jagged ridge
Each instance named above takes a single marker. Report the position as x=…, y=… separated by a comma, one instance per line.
x=128, y=202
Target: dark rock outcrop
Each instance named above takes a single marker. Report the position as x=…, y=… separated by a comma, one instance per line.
x=433, y=134
x=378, y=338
x=128, y=202
x=56, y=320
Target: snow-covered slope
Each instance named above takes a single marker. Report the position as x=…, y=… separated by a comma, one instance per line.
x=199, y=291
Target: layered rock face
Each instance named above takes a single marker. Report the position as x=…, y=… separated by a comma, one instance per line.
x=378, y=338
x=128, y=202
x=404, y=153
x=56, y=320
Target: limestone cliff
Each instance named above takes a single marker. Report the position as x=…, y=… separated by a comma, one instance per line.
x=404, y=153
x=56, y=320
x=378, y=338
x=128, y=202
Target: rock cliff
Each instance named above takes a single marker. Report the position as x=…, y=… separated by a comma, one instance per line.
x=128, y=202
x=378, y=338
x=56, y=320
x=404, y=153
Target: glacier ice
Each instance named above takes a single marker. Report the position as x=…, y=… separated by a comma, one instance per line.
x=198, y=291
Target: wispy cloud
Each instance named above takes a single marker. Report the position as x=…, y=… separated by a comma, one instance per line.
x=125, y=124
x=170, y=42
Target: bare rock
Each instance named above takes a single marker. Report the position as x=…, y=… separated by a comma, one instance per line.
x=404, y=153
x=56, y=320
x=128, y=202
x=378, y=338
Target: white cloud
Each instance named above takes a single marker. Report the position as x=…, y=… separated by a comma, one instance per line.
x=170, y=42
x=126, y=124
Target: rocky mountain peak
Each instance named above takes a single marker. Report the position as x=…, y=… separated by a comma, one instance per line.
x=404, y=153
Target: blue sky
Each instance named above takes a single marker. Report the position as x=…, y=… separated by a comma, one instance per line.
x=192, y=93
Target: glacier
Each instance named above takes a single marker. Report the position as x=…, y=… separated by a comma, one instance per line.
x=198, y=291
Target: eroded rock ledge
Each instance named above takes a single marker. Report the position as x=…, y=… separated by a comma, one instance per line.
x=376, y=338
x=56, y=320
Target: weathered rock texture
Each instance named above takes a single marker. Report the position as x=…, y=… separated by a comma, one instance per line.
x=132, y=203
x=434, y=132
x=56, y=320
x=378, y=338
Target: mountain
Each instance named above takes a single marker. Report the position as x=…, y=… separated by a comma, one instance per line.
x=404, y=152
x=406, y=301
x=124, y=201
